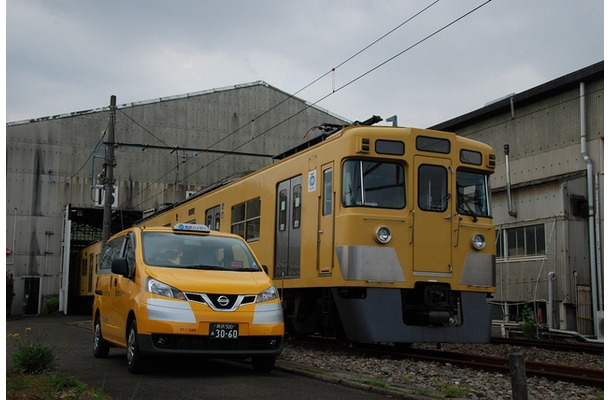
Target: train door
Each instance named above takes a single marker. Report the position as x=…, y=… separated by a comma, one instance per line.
x=326, y=222
x=212, y=217
x=288, y=228
x=432, y=245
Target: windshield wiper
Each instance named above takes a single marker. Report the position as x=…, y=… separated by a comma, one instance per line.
x=470, y=212
x=205, y=267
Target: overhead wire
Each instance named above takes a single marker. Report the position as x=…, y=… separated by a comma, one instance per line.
x=353, y=80
x=315, y=81
x=292, y=96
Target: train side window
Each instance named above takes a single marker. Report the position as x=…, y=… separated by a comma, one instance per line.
x=89, y=273
x=238, y=219
x=246, y=219
x=327, y=198
x=432, y=188
x=283, y=210
x=212, y=218
x=296, y=207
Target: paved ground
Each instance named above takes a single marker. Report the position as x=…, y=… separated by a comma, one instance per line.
x=170, y=378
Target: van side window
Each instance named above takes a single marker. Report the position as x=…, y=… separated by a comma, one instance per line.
x=130, y=255
x=111, y=251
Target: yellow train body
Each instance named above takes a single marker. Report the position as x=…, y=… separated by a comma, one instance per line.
x=376, y=233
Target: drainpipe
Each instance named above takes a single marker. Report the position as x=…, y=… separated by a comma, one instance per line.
x=510, y=201
x=595, y=295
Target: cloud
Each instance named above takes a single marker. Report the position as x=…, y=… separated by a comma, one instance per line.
x=64, y=55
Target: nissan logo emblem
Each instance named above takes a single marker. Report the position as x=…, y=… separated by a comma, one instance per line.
x=223, y=301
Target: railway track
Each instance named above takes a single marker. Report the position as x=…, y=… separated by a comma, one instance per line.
x=561, y=345
x=580, y=376
x=554, y=372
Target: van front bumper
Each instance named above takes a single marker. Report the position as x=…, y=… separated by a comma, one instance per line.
x=203, y=345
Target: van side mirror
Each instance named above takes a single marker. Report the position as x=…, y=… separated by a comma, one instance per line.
x=119, y=266
x=266, y=269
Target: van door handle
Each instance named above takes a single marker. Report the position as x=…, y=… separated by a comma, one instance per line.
x=115, y=282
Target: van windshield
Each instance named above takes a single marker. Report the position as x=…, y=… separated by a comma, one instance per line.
x=174, y=250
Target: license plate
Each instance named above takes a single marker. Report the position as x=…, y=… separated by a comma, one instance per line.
x=224, y=331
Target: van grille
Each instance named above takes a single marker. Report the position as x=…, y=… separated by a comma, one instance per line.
x=221, y=302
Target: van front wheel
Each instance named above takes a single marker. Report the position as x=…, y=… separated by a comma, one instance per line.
x=135, y=360
x=100, y=346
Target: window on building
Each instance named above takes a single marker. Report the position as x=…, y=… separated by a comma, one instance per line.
x=245, y=219
x=522, y=241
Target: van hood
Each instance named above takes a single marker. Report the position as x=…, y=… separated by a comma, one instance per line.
x=205, y=281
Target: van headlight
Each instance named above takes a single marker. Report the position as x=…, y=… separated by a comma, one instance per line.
x=268, y=294
x=478, y=241
x=163, y=289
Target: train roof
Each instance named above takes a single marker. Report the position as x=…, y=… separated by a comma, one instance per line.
x=327, y=130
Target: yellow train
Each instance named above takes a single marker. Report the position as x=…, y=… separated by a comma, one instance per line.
x=88, y=261
x=376, y=234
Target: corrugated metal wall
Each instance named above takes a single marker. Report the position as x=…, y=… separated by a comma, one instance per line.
x=51, y=161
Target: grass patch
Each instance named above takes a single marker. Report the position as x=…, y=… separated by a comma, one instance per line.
x=48, y=386
x=452, y=392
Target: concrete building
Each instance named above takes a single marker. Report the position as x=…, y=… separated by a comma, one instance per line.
x=165, y=150
x=548, y=203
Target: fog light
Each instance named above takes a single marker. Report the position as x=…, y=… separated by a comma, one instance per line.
x=383, y=234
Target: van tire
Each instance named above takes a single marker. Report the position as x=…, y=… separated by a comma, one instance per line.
x=263, y=363
x=101, y=347
x=135, y=359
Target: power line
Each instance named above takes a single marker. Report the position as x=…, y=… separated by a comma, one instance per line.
x=357, y=78
x=330, y=93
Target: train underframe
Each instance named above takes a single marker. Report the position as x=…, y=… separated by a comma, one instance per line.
x=430, y=312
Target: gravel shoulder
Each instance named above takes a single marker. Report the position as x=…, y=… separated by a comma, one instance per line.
x=404, y=378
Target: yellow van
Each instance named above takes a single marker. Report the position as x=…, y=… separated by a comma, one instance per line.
x=185, y=290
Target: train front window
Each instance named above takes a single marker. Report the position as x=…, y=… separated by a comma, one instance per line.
x=473, y=194
x=373, y=184
x=432, y=192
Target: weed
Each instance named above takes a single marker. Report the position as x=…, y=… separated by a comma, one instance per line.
x=452, y=392
x=32, y=356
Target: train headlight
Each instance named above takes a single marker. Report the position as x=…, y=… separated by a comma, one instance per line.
x=383, y=234
x=478, y=241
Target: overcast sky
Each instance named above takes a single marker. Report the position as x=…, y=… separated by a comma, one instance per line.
x=71, y=55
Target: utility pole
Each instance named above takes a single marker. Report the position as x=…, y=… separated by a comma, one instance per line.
x=109, y=163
